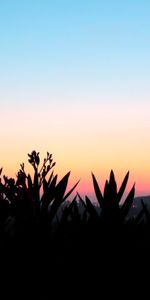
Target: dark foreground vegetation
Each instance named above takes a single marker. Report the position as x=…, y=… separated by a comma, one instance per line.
x=51, y=242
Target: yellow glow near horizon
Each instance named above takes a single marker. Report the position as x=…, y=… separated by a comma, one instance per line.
x=82, y=138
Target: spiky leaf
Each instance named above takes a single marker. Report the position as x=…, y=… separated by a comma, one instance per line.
x=50, y=178
x=49, y=194
x=71, y=190
x=67, y=211
x=91, y=209
x=127, y=203
x=122, y=188
x=82, y=201
x=97, y=191
x=106, y=192
x=112, y=186
x=59, y=195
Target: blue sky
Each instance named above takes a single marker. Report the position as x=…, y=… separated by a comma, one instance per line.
x=78, y=46
x=76, y=71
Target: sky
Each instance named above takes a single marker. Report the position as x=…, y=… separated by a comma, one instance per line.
x=74, y=81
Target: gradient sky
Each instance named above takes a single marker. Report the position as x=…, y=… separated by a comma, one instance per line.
x=74, y=81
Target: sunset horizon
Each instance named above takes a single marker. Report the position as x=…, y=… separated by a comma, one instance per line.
x=74, y=149
x=75, y=82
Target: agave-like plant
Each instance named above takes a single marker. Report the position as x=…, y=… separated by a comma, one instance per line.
x=109, y=200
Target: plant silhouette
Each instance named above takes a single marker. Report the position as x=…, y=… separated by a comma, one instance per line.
x=46, y=232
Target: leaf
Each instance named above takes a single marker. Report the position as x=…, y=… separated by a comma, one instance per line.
x=97, y=191
x=91, y=209
x=50, y=178
x=112, y=186
x=59, y=194
x=53, y=165
x=82, y=201
x=67, y=211
x=49, y=195
x=61, y=187
x=71, y=190
x=72, y=202
x=76, y=213
x=127, y=203
x=123, y=186
x=106, y=191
